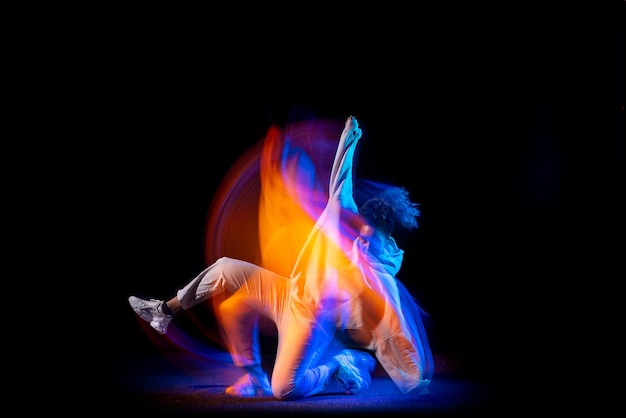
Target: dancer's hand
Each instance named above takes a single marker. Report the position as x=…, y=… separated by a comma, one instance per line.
x=351, y=123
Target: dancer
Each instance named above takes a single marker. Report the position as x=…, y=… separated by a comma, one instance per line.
x=342, y=297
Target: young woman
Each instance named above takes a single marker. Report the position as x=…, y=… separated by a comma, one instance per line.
x=342, y=297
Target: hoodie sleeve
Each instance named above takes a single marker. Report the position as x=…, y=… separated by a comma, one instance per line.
x=341, y=181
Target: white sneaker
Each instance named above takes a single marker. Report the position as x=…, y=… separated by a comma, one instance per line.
x=249, y=385
x=354, y=371
x=152, y=312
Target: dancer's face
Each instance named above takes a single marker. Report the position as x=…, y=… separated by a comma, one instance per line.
x=371, y=240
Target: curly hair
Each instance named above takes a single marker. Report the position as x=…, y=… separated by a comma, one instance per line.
x=391, y=208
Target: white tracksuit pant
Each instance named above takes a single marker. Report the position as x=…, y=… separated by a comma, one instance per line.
x=243, y=291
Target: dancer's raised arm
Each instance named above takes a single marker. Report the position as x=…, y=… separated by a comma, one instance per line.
x=341, y=184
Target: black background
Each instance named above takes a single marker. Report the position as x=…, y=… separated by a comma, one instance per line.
x=506, y=126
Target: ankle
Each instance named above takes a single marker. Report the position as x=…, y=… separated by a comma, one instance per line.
x=166, y=309
x=254, y=370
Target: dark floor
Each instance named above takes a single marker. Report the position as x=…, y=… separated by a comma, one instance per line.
x=127, y=371
x=134, y=370
x=185, y=383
